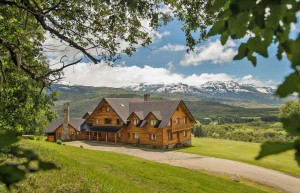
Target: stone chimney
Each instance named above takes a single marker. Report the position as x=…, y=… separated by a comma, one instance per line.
x=146, y=97
x=65, y=135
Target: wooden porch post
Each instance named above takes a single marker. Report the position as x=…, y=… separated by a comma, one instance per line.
x=106, y=137
x=97, y=136
x=115, y=137
x=89, y=136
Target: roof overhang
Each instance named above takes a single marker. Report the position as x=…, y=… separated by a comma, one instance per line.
x=109, y=129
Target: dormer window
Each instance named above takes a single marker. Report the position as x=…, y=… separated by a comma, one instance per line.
x=153, y=122
x=135, y=121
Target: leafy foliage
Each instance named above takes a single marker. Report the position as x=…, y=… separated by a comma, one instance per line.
x=289, y=108
x=263, y=23
x=15, y=161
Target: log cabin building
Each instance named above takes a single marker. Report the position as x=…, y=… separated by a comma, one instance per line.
x=161, y=124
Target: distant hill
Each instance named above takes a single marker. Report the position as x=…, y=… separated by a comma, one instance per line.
x=84, y=98
x=213, y=91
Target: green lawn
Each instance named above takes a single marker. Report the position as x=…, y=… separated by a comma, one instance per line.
x=244, y=152
x=83, y=170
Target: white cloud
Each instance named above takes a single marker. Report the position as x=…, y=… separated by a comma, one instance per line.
x=173, y=48
x=170, y=66
x=213, y=51
x=120, y=75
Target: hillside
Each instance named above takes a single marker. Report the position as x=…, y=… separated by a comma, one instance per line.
x=84, y=99
x=112, y=172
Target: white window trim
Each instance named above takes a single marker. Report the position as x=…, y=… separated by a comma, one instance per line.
x=184, y=120
x=97, y=120
x=135, y=135
x=153, y=122
x=184, y=133
x=107, y=109
x=153, y=137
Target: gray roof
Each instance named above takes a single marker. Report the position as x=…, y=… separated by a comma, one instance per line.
x=75, y=122
x=121, y=106
x=162, y=110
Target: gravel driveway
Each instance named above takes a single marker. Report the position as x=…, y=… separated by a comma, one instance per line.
x=258, y=174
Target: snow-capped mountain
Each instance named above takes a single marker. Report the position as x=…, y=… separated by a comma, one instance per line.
x=229, y=89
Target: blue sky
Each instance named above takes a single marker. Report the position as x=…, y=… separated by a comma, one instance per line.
x=267, y=69
x=166, y=61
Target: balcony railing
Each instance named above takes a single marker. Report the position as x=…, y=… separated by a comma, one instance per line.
x=181, y=126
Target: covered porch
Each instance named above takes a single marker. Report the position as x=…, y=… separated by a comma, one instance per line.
x=105, y=134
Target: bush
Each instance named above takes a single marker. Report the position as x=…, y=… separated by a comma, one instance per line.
x=31, y=137
x=59, y=142
x=81, y=146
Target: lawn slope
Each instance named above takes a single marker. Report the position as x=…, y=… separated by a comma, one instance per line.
x=244, y=152
x=83, y=170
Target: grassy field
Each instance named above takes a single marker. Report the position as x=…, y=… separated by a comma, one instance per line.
x=244, y=152
x=83, y=170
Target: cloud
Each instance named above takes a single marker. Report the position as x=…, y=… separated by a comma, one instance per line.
x=170, y=66
x=120, y=75
x=173, y=48
x=213, y=51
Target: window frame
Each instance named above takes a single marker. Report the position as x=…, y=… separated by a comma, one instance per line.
x=153, y=137
x=170, y=136
x=184, y=133
x=107, y=123
x=153, y=122
x=107, y=109
x=135, y=135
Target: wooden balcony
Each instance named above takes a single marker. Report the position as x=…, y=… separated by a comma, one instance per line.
x=178, y=127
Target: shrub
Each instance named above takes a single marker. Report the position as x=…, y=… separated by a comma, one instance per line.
x=31, y=137
x=81, y=146
x=59, y=142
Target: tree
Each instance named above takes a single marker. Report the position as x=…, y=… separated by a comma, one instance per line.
x=264, y=23
x=99, y=30
x=290, y=107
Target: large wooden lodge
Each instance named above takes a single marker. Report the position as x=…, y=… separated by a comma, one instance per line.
x=126, y=120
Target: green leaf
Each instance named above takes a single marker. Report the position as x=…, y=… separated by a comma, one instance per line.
x=218, y=4
x=252, y=59
x=271, y=148
x=237, y=24
x=289, y=86
x=292, y=124
x=224, y=38
x=257, y=45
x=217, y=28
x=8, y=138
x=243, y=52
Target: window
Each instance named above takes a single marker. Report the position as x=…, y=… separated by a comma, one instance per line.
x=107, y=121
x=177, y=120
x=118, y=121
x=170, y=122
x=184, y=120
x=135, y=121
x=153, y=137
x=153, y=122
x=170, y=137
x=135, y=135
x=184, y=133
x=103, y=109
x=128, y=135
x=119, y=134
x=107, y=109
x=97, y=120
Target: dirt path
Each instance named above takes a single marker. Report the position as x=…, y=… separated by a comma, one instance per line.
x=255, y=173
